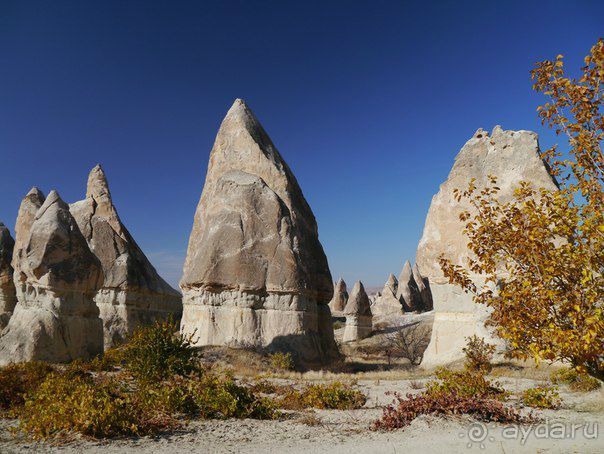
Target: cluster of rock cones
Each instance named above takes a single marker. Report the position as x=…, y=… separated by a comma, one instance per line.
x=74, y=281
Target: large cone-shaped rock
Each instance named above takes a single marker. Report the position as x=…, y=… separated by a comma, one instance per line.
x=8, y=296
x=512, y=156
x=255, y=272
x=55, y=318
x=133, y=294
x=340, y=297
x=408, y=291
x=387, y=303
x=359, y=319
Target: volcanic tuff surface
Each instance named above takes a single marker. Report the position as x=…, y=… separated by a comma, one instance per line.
x=340, y=297
x=359, y=320
x=55, y=318
x=512, y=156
x=255, y=272
x=132, y=294
x=8, y=297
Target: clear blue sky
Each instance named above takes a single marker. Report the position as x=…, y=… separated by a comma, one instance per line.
x=368, y=102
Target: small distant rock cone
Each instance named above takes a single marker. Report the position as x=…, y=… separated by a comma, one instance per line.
x=133, y=294
x=424, y=289
x=255, y=273
x=408, y=291
x=55, y=319
x=387, y=303
x=359, y=319
x=340, y=297
x=8, y=295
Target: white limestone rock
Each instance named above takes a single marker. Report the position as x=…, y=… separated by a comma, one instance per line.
x=340, y=297
x=408, y=291
x=255, y=273
x=423, y=285
x=386, y=302
x=512, y=156
x=133, y=294
x=359, y=319
x=55, y=319
x=8, y=296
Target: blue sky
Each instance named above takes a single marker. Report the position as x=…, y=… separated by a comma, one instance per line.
x=368, y=102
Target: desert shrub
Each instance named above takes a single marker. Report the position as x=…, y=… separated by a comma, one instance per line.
x=108, y=361
x=465, y=384
x=281, y=361
x=263, y=386
x=173, y=396
x=207, y=396
x=410, y=342
x=159, y=351
x=18, y=380
x=478, y=354
x=576, y=380
x=405, y=409
x=542, y=397
x=333, y=396
x=220, y=398
x=63, y=405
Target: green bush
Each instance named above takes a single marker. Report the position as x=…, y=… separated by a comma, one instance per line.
x=221, y=398
x=575, y=380
x=542, y=397
x=281, y=361
x=18, y=380
x=465, y=384
x=159, y=352
x=334, y=396
x=107, y=362
x=206, y=396
x=62, y=405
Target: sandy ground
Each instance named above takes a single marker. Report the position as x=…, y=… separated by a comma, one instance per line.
x=347, y=432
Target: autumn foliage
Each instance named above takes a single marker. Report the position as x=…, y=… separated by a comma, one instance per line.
x=541, y=255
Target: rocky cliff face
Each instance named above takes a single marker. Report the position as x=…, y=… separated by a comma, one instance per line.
x=55, y=318
x=359, y=319
x=132, y=294
x=512, y=156
x=255, y=272
x=8, y=296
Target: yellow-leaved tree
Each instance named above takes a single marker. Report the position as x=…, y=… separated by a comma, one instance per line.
x=543, y=251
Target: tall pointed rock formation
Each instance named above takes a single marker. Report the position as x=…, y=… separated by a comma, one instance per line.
x=359, y=319
x=255, y=272
x=340, y=297
x=408, y=291
x=55, y=318
x=512, y=156
x=8, y=296
x=30, y=205
x=133, y=294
